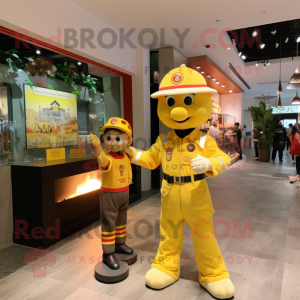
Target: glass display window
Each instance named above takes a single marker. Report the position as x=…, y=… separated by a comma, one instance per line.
x=48, y=100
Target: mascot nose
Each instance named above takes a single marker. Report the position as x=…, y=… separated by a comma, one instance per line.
x=179, y=113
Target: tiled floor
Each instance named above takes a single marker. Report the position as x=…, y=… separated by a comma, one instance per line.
x=263, y=266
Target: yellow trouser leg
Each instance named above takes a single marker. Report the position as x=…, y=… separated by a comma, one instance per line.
x=197, y=210
x=171, y=230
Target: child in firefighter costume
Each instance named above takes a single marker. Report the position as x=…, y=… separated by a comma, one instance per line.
x=114, y=195
x=186, y=155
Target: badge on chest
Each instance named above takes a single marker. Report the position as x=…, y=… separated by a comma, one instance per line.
x=169, y=152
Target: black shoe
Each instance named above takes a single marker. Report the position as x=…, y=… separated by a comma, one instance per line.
x=123, y=248
x=111, y=261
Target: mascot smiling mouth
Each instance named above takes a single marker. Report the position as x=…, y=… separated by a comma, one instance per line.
x=181, y=121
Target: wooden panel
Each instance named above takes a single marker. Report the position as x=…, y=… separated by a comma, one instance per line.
x=210, y=68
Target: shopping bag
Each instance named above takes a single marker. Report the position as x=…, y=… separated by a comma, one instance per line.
x=295, y=147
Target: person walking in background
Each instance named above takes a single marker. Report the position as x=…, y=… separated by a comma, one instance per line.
x=296, y=125
x=238, y=134
x=288, y=134
x=255, y=140
x=213, y=129
x=278, y=142
x=295, y=149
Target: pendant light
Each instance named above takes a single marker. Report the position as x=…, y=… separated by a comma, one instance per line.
x=279, y=102
x=296, y=100
x=279, y=90
x=294, y=82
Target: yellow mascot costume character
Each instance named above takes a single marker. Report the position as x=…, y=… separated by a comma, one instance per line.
x=186, y=155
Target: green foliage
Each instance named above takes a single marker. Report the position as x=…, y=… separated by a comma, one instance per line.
x=264, y=124
x=11, y=58
x=29, y=83
x=49, y=86
x=43, y=67
x=77, y=93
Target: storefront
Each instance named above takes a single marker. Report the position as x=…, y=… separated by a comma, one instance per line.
x=51, y=100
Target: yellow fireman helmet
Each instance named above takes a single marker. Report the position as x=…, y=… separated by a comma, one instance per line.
x=118, y=123
x=182, y=80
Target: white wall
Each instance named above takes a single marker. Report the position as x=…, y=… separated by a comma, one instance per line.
x=49, y=18
x=141, y=108
x=231, y=104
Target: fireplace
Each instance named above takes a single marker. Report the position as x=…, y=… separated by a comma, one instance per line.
x=59, y=197
x=73, y=186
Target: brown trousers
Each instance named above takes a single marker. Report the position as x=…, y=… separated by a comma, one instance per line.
x=113, y=208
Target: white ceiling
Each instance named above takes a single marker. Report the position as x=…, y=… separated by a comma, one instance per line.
x=200, y=16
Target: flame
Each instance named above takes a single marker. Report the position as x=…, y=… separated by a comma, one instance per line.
x=89, y=185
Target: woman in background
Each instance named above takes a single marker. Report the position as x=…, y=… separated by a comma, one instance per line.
x=288, y=134
x=296, y=135
x=278, y=142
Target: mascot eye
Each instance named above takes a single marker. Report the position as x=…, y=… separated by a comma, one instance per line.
x=170, y=101
x=118, y=139
x=188, y=100
x=108, y=138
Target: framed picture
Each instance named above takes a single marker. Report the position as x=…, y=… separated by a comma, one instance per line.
x=51, y=118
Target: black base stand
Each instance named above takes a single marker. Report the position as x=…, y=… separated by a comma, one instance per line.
x=128, y=258
x=104, y=274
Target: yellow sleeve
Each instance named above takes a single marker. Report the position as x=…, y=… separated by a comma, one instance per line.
x=149, y=159
x=218, y=159
x=129, y=172
x=104, y=162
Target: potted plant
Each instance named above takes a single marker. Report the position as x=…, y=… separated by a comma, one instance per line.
x=264, y=124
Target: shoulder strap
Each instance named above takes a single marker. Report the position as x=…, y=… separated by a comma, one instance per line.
x=202, y=139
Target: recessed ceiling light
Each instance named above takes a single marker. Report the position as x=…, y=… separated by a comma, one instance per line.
x=287, y=39
x=262, y=46
x=197, y=67
x=202, y=72
x=230, y=91
x=223, y=85
x=254, y=33
x=243, y=57
x=79, y=63
x=38, y=52
x=240, y=53
x=217, y=82
x=214, y=79
x=208, y=75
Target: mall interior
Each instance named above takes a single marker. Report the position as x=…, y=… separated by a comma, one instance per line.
x=78, y=76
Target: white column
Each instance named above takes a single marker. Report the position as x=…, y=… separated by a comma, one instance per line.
x=141, y=107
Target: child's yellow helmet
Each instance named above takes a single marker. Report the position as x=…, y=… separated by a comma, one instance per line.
x=118, y=123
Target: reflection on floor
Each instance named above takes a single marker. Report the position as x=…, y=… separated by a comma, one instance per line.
x=263, y=266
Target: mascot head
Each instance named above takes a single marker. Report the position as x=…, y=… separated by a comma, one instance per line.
x=184, y=99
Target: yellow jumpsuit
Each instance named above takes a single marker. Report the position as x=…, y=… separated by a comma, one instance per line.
x=186, y=202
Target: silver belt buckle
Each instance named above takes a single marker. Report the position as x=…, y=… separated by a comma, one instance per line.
x=177, y=179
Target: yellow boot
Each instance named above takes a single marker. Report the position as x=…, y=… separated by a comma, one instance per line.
x=157, y=279
x=221, y=289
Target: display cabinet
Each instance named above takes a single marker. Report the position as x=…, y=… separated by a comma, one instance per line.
x=223, y=137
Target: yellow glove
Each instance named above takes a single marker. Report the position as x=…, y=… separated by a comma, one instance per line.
x=200, y=164
x=95, y=142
